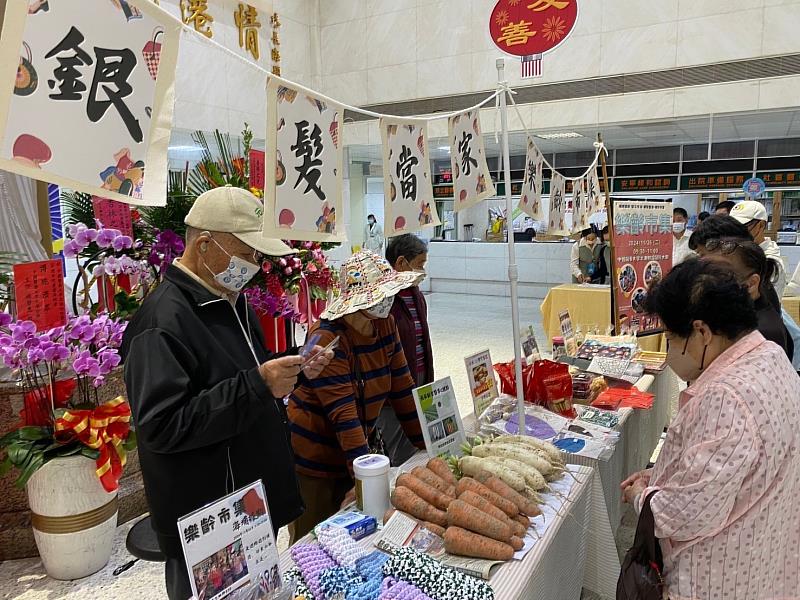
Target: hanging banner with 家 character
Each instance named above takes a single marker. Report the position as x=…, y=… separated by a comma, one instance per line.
x=303, y=190
x=530, y=201
x=595, y=202
x=472, y=182
x=580, y=206
x=642, y=256
x=438, y=414
x=91, y=103
x=408, y=191
x=557, y=223
x=40, y=293
x=229, y=546
x=482, y=384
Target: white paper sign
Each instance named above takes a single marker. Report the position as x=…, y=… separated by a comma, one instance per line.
x=230, y=545
x=530, y=201
x=408, y=191
x=482, y=384
x=580, y=206
x=530, y=347
x=472, y=181
x=594, y=197
x=91, y=103
x=303, y=198
x=438, y=414
x=558, y=206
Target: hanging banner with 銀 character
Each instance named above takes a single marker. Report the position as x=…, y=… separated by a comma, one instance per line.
x=408, y=192
x=472, y=182
x=580, y=206
x=530, y=201
x=91, y=103
x=642, y=255
x=303, y=190
x=557, y=224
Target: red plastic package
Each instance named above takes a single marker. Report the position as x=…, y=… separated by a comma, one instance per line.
x=508, y=380
x=553, y=385
x=616, y=398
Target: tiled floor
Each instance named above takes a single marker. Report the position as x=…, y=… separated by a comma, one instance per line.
x=460, y=325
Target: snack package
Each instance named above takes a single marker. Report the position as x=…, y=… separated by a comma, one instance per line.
x=553, y=385
x=508, y=380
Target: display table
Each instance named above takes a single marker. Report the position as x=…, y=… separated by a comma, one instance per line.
x=577, y=550
x=792, y=306
x=588, y=305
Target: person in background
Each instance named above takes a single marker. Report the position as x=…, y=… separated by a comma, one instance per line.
x=681, y=235
x=584, y=257
x=793, y=286
x=703, y=216
x=206, y=394
x=373, y=236
x=753, y=215
x=724, y=489
x=724, y=208
x=408, y=253
x=332, y=418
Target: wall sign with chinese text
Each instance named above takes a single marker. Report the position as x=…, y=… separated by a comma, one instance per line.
x=40, y=293
x=781, y=179
x=303, y=190
x=438, y=414
x=473, y=182
x=730, y=181
x=642, y=256
x=91, y=103
x=229, y=545
x=407, y=184
x=557, y=223
x=530, y=201
x=646, y=184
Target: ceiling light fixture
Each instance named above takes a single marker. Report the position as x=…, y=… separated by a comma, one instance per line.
x=565, y=135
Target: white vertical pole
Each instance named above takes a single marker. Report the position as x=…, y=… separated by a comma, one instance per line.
x=513, y=274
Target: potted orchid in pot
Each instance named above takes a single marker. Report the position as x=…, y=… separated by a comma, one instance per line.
x=69, y=446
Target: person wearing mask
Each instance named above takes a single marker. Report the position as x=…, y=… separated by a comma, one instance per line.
x=332, y=419
x=205, y=393
x=681, y=235
x=408, y=253
x=373, y=236
x=723, y=491
x=585, y=256
x=724, y=208
x=703, y=216
x=753, y=215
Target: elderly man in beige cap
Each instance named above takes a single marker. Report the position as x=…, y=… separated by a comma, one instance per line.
x=753, y=214
x=206, y=394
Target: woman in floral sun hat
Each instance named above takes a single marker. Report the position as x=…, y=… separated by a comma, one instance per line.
x=332, y=419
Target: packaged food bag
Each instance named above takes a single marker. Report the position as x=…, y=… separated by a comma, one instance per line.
x=553, y=387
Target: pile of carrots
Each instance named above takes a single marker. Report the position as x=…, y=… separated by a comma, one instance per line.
x=479, y=516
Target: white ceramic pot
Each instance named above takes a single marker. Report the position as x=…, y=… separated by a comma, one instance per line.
x=73, y=517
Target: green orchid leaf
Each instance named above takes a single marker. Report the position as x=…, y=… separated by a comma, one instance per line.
x=131, y=442
x=90, y=453
x=34, y=433
x=30, y=469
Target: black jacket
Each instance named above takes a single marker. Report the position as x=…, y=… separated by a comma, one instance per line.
x=203, y=414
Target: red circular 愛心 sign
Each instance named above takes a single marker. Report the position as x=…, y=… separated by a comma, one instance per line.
x=528, y=27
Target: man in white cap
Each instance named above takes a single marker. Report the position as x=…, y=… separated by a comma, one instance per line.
x=206, y=394
x=753, y=215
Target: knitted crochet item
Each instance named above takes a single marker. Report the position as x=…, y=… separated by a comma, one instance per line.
x=312, y=560
x=338, y=543
x=394, y=589
x=434, y=579
x=339, y=581
x=294, y=577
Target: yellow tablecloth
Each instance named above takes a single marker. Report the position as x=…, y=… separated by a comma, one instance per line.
x=589, y=306
x=792, y=306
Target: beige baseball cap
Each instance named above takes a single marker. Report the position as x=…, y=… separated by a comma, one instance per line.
x=749, y=210
x=234, y=210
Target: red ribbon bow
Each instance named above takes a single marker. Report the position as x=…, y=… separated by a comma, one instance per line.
x=104, y=428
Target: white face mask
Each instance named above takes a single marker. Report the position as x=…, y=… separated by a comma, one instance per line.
x=238, y=273
x=382, y=309
x=678, y=227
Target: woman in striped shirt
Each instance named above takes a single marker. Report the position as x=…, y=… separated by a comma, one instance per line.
x=332, y=418
x=725, y=486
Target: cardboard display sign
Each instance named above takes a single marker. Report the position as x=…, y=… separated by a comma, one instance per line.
x=438, y=414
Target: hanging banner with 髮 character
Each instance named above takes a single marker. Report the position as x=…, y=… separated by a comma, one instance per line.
x=557, y=223
x=91, y=103
x=472, y=181
x=408, y=190
x=530, y=201
x=580, y=207
x=642, y=255
x=303, y=190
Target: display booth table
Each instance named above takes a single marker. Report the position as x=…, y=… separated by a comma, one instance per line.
x=577, y=550
x=792, y=306
x=587, y=304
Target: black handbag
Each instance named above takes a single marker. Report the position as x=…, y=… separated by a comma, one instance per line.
x=641, y=574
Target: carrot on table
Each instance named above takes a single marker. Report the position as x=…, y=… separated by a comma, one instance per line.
x=468, y=483
x=464, y=515
x=434, y=480
x=428, y=493
x=407, y=501
x=517, y=543
x=388, y=514
x=522, y=520
x=484, y=505
x=434, y=528
x=466, y=543
x=440, y=468
x=525, y=506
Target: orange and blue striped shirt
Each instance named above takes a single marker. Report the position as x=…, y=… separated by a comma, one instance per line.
x=330, y=420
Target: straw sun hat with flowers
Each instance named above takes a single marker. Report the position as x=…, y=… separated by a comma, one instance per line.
x=365, y=281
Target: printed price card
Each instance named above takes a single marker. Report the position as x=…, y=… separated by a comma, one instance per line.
x=40, y=293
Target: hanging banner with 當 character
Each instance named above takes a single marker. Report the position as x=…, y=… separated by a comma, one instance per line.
x=91, y=104
x=557, y=222
x=472, y=182
x=408, y=191
x=580, y=207
x=642, y=256
x=530, y=201
x=303, y=190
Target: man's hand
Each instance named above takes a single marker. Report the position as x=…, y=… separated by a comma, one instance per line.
x=630, y=493
x=644, y=475
x=581, y=278
x=280, y=374
x=314, y=367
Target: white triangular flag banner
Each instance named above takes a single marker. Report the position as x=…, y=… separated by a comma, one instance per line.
x=472, y=181
x=594, y=197
x=407, y=185
x=580, y=208
x=530, y=201
x=557, y=224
